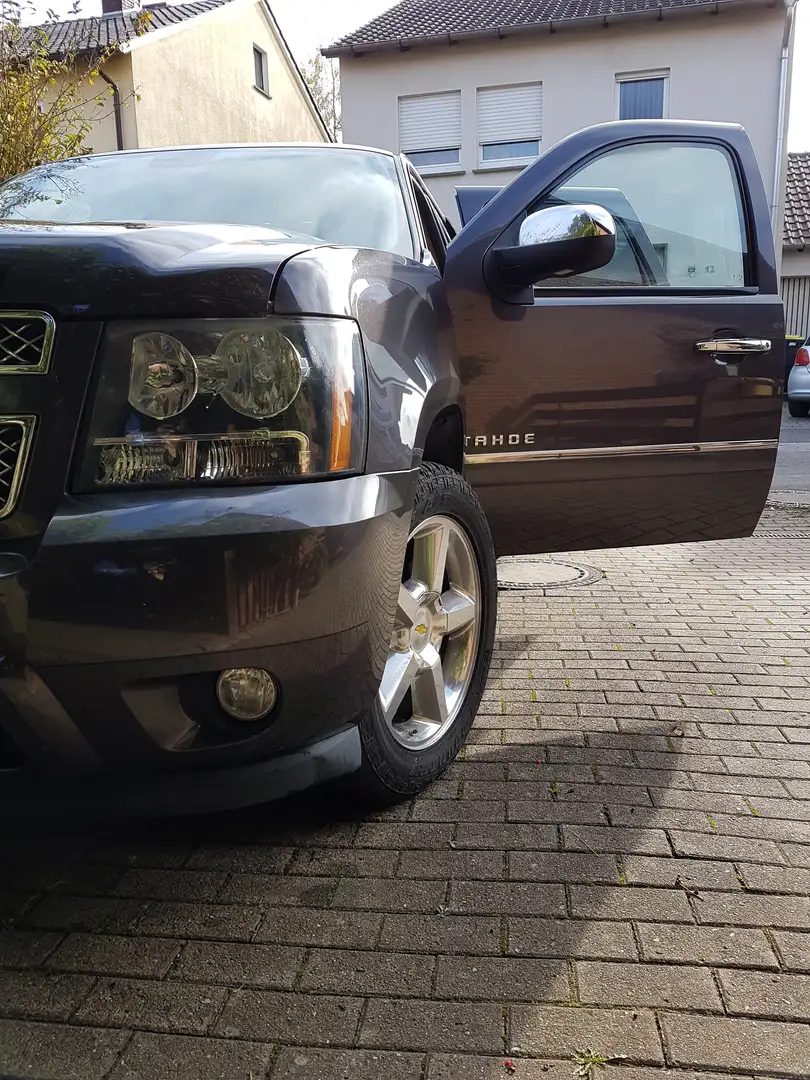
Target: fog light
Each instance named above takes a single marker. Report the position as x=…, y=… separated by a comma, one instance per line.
x=247, y=693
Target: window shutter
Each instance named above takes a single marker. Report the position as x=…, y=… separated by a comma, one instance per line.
x=641, y=99
x=430, y=122
x=510, y=113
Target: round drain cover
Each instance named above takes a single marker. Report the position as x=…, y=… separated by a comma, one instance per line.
x=543, y=575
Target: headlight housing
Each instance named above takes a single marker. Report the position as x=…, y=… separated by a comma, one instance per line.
x=211, y=400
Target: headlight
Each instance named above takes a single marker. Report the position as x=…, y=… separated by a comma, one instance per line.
x=162, y=376
x=209, y=400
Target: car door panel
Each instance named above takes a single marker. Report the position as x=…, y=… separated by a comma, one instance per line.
x=590, y=418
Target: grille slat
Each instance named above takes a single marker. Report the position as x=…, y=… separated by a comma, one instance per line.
x=15, y=442
x=26, y=338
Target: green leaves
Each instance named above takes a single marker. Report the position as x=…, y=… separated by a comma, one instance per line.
x=48, y=103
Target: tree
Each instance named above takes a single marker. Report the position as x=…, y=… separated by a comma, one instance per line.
x=322, y=76
x=48, y=103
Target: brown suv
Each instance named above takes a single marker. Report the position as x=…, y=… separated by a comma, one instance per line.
x=267, y=423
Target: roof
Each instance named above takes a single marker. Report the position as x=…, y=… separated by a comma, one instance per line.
x=412, y=21
x=797, y=201
x=105, y=31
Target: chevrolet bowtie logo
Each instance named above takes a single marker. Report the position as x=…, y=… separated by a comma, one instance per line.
x=420, y=628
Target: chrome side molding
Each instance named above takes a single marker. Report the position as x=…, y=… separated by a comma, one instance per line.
x=509, y=457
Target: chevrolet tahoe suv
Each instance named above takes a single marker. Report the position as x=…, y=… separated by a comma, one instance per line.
x=268, y=419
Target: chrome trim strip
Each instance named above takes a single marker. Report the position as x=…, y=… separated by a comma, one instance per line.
x=510, y=457
x=27, y=424
x=40, y=368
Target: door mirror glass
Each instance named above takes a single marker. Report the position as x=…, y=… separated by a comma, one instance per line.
x=556, y=242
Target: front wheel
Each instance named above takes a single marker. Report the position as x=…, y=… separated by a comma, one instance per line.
x=798, y=408
x=441, y=642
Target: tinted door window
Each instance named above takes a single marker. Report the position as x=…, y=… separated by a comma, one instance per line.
x=436, y=235
x=678, y=211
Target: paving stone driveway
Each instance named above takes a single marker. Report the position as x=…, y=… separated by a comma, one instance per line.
x=619, y=863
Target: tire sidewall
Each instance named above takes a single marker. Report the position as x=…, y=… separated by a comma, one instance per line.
x=387, y=764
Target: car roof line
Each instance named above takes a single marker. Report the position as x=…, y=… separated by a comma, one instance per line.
x=234, y=146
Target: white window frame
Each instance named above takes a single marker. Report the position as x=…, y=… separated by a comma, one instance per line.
x=641, y=76
x=264, y=90
x=454, y=168
x=500, y=164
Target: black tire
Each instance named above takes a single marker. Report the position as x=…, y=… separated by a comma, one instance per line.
x=798, y=408
x=390, y=772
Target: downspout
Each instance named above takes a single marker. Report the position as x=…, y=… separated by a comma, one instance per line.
x=119, y=129
x=780, y=116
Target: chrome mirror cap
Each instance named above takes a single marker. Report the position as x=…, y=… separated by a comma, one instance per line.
x=565, y=222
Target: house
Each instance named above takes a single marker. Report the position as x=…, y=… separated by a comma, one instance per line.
x=473, y=90
x=211, y=71
x=796, y=250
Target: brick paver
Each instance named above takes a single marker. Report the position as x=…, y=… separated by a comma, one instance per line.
x=619, y=860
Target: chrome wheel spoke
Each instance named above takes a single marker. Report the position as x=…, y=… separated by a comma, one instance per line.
x=407, y=604
x=428, y=692
x=430, y=556
x=459, y=610
x=398, y=675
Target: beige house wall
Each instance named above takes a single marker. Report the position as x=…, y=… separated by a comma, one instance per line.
x=796, y=263
x=196, y=83
x=98, y=107
x=723, y=66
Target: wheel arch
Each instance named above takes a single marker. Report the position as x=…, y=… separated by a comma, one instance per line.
x=440, y=435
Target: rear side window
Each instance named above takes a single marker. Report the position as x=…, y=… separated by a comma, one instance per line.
x=679, y=216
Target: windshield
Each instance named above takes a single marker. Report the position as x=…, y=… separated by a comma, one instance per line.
x=350, y=197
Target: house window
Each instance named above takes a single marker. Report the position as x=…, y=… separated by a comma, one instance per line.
x=430, y=131
x=510, y=124
x=642, y=96
x=260, y=77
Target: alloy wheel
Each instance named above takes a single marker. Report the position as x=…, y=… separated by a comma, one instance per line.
x=434, y=642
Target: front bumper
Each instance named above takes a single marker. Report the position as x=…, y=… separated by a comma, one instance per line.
x=114, y=635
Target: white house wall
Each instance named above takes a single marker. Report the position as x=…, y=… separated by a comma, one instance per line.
x=722, y=67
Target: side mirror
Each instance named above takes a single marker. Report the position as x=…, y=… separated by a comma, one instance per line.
x=558, y=241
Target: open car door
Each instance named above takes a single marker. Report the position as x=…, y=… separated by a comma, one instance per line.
x=621, y=340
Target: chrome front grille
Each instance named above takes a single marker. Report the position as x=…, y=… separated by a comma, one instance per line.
x=26, y=338
x=15, y=444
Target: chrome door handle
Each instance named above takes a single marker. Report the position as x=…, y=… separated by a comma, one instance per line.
x=734, y=346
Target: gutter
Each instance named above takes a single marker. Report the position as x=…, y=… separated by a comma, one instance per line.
x=119, y=129
x=781, y=115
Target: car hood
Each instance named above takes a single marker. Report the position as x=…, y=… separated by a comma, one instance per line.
x=129, y=270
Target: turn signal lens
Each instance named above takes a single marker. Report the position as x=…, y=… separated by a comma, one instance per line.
x=802, y=357
x=162, y=377
x=340, y=444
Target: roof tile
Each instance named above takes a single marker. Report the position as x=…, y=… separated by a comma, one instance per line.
x=412, y=20
x=797, y=201
x=86, y=35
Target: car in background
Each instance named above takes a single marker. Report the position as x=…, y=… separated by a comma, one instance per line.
x=798, y=388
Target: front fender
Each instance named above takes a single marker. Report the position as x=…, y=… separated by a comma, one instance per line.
x=403, y=316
